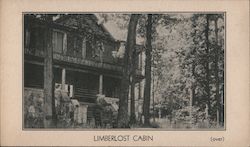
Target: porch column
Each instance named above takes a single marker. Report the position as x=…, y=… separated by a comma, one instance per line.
x=49, y=109
x=63, y=78
x=139, y=90
x=101, y=84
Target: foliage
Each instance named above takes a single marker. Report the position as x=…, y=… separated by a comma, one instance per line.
x=182, y=61
x=33, y=110
x=187, y=62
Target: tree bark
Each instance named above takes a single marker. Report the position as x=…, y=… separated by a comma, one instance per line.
x=217, y=94
x=147, y=89
x=122, y=119
x=207, y=64
x=132, y=90
x=49, y=103
x=132, y=99
x=153, y=94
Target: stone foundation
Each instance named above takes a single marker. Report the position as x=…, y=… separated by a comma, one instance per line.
x=33, y=107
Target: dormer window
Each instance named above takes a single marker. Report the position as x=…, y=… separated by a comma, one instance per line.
x=74, y=46
x=58, y=41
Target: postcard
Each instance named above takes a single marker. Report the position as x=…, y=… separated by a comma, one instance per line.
x=109, y=73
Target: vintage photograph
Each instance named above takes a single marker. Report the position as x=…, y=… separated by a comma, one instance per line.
x=163, y=71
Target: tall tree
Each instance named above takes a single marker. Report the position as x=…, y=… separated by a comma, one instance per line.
x=216, y=62
x=132, y=89
x=49, y=102
x=147, y=89
x=122, y=119
x=207, y=63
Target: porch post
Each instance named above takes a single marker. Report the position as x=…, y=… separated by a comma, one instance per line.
x=101, y=84
x=49, y=109
x=139, y=90
x=63, y=78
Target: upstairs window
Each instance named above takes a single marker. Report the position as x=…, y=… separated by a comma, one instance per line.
x=74, y=46
x=58, y=41
x=34, y=38
x=89, y=49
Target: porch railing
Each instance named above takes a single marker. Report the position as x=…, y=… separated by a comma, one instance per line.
x=75, y=60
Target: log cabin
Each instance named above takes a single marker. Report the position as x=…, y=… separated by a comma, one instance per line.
x=83, y=62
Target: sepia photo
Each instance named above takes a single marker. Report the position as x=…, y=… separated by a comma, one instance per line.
x=163, y=71
x=122, y=73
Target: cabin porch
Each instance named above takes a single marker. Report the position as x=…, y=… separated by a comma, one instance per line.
x=83, y=86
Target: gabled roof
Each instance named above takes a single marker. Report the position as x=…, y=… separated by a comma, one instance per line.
x=87, y=22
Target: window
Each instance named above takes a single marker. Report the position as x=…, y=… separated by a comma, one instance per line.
x=84, y=48
x=58, y=42
x=35, y=38
x=74, y=46
x=27, y=37
x=33, y=75
x=90, y=48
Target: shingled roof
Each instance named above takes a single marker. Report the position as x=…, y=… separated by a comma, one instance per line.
x=87, y=22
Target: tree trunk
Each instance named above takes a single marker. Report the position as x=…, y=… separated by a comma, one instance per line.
x=217, y=94
x=132, y=90
x=207, y=88
x=49, y=103
x=122, y=119
x=132, y=100
x=147, y=89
